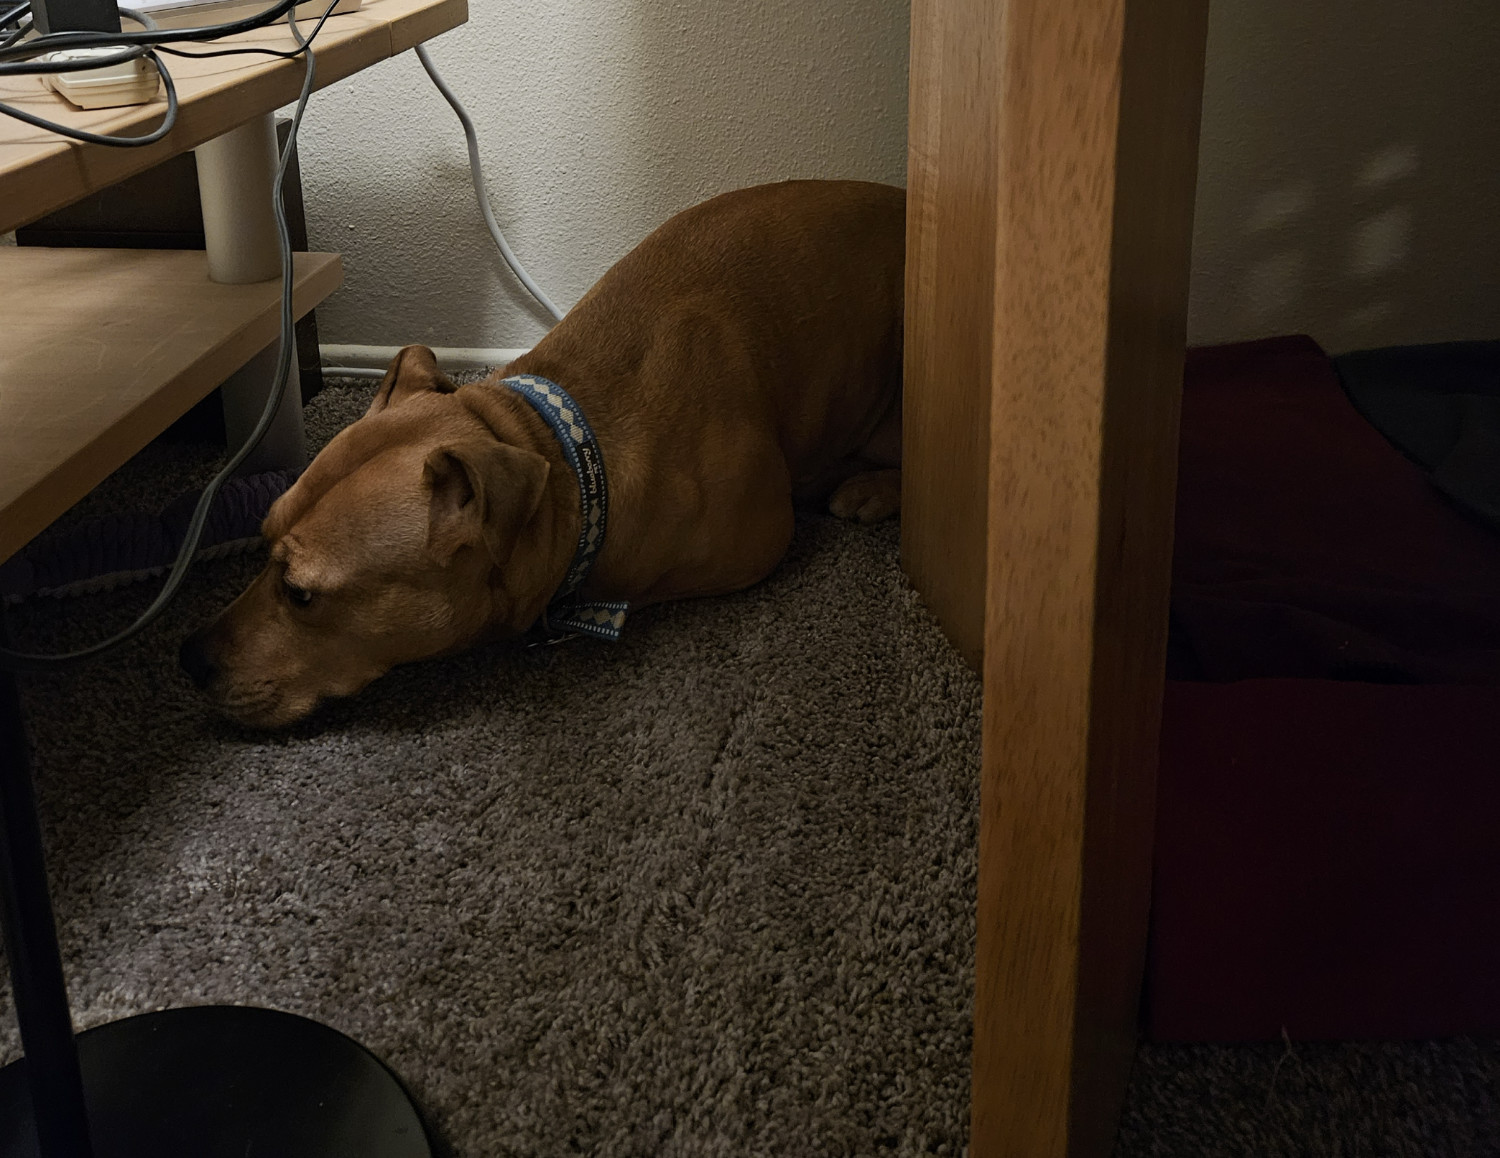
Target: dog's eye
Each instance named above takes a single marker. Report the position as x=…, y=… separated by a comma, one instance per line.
x=300, y=596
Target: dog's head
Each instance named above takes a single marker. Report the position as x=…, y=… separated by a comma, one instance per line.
x=413, y=534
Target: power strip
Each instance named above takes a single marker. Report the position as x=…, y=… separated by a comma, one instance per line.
x=130, y=82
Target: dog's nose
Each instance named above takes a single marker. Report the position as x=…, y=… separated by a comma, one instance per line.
x=193, y=657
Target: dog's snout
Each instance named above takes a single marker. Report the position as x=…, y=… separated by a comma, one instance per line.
x=193, y=657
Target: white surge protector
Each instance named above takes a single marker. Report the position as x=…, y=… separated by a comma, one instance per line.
x=200, y=13
x=133, y=82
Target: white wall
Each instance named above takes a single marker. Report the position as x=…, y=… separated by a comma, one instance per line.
x=598, y=119
x=1349, y=176
x=1349, y=173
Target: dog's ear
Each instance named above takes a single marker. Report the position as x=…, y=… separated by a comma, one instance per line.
x=482, y=491
x=414, y=370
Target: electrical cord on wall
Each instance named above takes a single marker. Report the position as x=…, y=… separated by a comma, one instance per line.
x=477, y=172
x=285, y=351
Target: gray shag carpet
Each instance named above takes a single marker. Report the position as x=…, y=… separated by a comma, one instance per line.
x=708, y=891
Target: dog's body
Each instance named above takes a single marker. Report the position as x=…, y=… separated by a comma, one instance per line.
x=746, y=354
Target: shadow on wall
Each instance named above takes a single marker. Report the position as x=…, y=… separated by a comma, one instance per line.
x=1349, y=173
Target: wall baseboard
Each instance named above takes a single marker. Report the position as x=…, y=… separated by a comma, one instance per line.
x=448, y=357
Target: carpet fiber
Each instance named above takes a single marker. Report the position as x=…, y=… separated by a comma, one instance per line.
x=708, y=891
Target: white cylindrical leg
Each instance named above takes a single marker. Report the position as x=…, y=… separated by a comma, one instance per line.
x=244, y=392
x=236, y=183
x=236, y=179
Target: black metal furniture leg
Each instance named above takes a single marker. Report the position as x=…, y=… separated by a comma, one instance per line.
x=212, y=1081
x=41, y=999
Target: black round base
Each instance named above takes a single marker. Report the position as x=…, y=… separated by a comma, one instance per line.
x=226, y=1081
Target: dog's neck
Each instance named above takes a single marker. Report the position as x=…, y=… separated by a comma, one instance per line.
x=544, y=550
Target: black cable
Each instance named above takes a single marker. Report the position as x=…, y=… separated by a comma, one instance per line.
x=156, y=134
x=87, y=137
x=42, y=67
x=286, y=347
x=132, y=45
x=281, y=53
x=35, y=67
x=145, y=38
x=23, y=28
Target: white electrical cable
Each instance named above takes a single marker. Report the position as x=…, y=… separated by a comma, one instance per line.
x=478, y=174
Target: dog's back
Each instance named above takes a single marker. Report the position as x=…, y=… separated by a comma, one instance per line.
x=778, y=303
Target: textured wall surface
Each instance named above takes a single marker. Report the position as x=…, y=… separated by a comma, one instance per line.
x=598, y=119
x=1349, y=183
x=1349, y=175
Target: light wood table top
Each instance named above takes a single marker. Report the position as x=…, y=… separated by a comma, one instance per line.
x=41, y=172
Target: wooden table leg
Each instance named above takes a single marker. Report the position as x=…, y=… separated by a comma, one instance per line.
x=952, y=173
x=1053, y=160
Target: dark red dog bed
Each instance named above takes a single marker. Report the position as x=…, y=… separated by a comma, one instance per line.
x=1328, y=825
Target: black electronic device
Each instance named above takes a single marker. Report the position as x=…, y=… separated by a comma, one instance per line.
x=75, y=15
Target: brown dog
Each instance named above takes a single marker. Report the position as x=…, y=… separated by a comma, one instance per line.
x=745, y=355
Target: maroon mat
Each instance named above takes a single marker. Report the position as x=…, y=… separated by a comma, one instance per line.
x=1327, y=862
x=1308, y=546
x=1328, y=826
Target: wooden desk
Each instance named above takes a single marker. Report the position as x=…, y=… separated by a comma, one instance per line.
x=103, y=349
x=1053, y=153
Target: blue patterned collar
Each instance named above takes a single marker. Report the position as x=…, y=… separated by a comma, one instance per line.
x=566, y=614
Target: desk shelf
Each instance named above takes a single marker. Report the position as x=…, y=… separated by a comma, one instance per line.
x=104, y=348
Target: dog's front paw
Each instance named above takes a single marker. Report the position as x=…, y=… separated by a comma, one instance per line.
x=868, y=497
